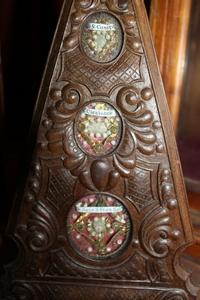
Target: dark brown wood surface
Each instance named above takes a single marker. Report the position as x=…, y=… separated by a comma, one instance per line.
x=142, y=172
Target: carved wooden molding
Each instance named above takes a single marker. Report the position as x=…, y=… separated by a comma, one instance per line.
x=104, y=200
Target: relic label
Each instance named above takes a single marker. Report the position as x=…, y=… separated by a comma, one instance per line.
x=99, y=210
x=101, y=27
x=100, y=113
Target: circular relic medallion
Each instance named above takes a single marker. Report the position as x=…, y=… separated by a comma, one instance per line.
x=98, y=128
x=98, y=226
x=102, y=37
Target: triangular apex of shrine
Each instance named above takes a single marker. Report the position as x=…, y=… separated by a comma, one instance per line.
x=104, y=212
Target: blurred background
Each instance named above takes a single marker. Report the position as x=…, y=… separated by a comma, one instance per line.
x=26, y=32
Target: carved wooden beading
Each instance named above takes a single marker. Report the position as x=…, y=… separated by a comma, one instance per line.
x=103, y=213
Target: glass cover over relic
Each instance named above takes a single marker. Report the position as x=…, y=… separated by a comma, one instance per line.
x=98, y=128
x=98, y=226
x=102, y=37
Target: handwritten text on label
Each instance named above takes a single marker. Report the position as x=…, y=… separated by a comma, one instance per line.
x=101, y=27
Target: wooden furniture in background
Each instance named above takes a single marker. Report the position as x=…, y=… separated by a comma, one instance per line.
x=188, y=135
x=175, y=27
x=169, y=20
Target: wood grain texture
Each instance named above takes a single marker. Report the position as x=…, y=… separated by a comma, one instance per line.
x=169, y=21
x=142, y=173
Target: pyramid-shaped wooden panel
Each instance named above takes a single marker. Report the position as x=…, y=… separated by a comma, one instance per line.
x=103, y=213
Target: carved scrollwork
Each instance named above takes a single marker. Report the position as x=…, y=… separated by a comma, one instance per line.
x=124, y=159
x=114, y=5
x=42, y=228
x=61, y=141
x=155, y=233
x=139, y=120
x=86, y=4
x=117, y=6
x=138, y=135
x=76, y=159
x=61, y=115
x=82, y=8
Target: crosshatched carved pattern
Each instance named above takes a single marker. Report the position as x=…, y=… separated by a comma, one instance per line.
x=135, y=269
x=101, y=78
x=61, y=187
x=127, y=294
x=139, y=188
x=40, y=290
x=59, y=265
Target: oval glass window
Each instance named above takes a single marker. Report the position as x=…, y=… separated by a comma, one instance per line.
x=98, y=226
x=102, y=37
x=98, y=128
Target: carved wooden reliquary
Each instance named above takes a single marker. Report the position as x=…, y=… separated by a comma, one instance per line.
x=103, y=213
